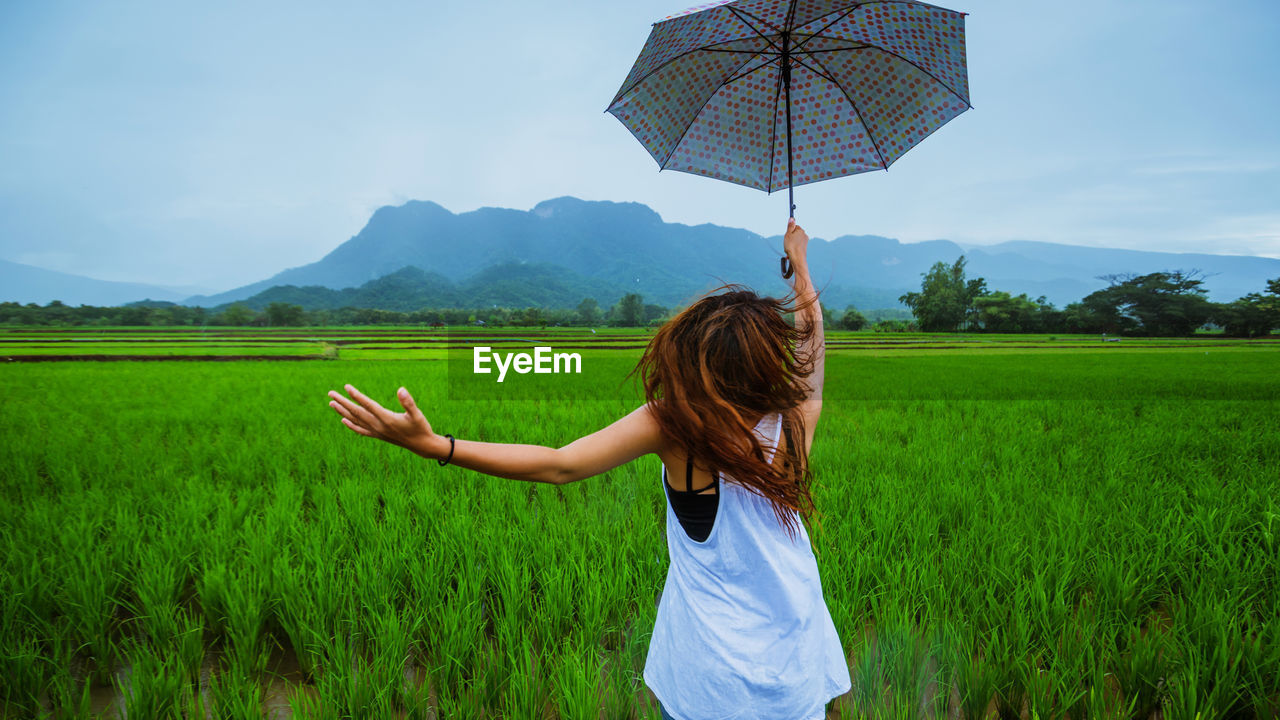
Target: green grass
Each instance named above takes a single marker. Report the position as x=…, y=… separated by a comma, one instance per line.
x=1046, y=531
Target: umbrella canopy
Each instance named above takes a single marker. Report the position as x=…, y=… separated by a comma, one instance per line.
x=777, y=93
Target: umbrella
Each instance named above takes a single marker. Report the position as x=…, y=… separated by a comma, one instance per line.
x=779, y=93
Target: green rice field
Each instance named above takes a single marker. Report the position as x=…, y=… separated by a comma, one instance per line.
x=1008, y=527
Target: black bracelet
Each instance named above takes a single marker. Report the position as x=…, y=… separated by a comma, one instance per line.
x=446, y=460
x=786, y=268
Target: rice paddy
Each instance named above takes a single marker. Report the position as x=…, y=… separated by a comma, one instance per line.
x=1008, y=527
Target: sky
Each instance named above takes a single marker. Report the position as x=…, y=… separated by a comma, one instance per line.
x=211, y=145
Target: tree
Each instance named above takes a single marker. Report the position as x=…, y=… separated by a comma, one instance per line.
x=1160, y=303
x=999, y=311
x=160, y=316
x=654, y=314
x=895, y=326
x=1247, y=317
x=530, y=317
x=133, y=315
x=235, y=314
x=629, y=312
x=828, y=317
x=181, y=314
x=1253, y=315
x=589, y=311
x=852, y=319
x=280, y=314
x=945, y=300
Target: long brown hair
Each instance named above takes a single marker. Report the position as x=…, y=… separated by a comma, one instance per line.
x=728, y=359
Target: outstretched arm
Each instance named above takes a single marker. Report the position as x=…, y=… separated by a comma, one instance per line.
x=628, y=438
x=796, y=244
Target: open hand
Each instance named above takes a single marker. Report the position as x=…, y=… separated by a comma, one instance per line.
x=364, y=416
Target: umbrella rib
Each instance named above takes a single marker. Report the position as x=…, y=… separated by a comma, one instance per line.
x=749, y=52
x=777, y=92
x=933, y=77
x=908, y=2
x=824, y=73
x=742, y=15
x=842, y=13
x=676, y=146
x=622, y=93
x=773, y=132
x=842, y=49
x=741, y=75
x=845, y=13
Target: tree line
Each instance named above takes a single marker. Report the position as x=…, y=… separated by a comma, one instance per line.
x=630, y=311
x=1157, y=304
x=1163, y=304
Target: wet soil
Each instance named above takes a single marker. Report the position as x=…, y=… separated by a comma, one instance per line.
x=153, y=358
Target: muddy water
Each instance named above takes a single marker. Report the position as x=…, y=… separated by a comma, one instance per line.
x=152, y=358
x=283, y=681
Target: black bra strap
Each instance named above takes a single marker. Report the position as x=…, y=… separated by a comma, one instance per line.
x=688, y=479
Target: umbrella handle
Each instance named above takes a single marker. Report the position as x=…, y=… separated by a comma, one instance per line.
x=787, y=270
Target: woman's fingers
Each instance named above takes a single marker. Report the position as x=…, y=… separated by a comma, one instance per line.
x=358, y=429
x=366, y=417
x=351, y=422
x=344, y=402
x=407, y=402
x=356, y=412
x=365, y=401
x=337, y=407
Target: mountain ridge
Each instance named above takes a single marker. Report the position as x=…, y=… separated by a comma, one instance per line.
x=620, y=247
x=24, y=283
x=628, y=245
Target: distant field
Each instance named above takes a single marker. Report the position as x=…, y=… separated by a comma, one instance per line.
x=1008, y=526
x=399, y=343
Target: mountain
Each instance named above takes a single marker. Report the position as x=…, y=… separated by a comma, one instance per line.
x=626, y=247
x=1066, y=273
x=566, y=249
x=517, y=285
x=30, y=284
x=623, y=247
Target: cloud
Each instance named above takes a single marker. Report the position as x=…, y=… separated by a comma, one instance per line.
x=1206, y=165
x=1252, y=234
x=53, y=260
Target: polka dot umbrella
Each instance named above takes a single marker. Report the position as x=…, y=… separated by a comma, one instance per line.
x=778, y=93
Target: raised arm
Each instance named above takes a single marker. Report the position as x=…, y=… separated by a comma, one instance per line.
x=626, y=439
x=796, y=244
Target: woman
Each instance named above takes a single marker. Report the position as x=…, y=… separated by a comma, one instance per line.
x=734, y=393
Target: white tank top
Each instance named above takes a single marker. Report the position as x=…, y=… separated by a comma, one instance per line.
x=742, y=629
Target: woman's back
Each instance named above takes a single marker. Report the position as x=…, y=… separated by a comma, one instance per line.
x=742, y=626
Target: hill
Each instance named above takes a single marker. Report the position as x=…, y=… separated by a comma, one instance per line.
x=29, y=284
x=517, y=285
x=626, y=247
x=566, y=249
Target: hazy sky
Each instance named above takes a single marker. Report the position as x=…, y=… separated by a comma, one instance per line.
x=214, y=144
